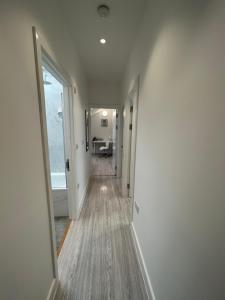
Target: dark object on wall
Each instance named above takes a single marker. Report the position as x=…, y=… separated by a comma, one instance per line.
x=87, y=129
x=104, y=122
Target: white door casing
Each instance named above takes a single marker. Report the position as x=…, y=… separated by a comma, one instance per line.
x=130, y=119
x=42, y=56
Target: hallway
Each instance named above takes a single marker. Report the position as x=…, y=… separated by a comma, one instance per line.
x=98, y=259
x=132, y=89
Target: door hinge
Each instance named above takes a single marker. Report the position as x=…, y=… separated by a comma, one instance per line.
x=128, y=186
x=115, y=167
x=117, y=127
x=117, y=115
x=131, y=109
x=130, y=126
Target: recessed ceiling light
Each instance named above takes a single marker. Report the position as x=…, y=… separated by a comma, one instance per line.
x=104, y=113
x=103, y=11
x=102, y=41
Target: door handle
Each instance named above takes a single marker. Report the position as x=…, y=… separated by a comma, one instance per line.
x=67, y=164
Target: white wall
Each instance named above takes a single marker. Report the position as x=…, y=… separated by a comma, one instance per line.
x=180, y=164
x=25, y=255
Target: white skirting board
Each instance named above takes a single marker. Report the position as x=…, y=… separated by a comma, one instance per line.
x=148, y=285
x=53, y=289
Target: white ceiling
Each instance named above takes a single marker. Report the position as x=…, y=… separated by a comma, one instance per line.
x=104, y=62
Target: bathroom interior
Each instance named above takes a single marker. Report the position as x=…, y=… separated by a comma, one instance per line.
x=53, y=90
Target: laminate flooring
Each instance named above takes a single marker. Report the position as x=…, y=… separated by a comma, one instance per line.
x=102, y=166
x=98, y=260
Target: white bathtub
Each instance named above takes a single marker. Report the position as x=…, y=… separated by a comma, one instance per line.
x=58, y=180
x=60, y=196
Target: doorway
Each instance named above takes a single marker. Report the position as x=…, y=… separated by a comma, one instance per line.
x=103, y=137
x=55, y=99
x=130, y=114
x=54, y=94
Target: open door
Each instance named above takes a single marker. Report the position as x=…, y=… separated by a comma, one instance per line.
x=103, y=141
x=130, y=115
x=56, y=120
x=115, y=127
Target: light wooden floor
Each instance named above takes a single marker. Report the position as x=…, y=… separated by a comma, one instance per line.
x=101, y=166
x=98, y=260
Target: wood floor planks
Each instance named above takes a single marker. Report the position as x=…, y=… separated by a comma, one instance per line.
x=102, y=166
x=98, y=260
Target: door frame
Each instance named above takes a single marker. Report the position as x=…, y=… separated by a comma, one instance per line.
x=42, y=55
x=129, y=142
x=118, y=132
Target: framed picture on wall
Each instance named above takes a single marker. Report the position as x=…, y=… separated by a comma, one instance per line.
x=104, y=122
x=87, y=129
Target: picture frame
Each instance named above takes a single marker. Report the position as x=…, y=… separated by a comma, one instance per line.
x=104, y=122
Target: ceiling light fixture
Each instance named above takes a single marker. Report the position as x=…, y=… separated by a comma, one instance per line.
x=103, y=11
x=102, y=41
x=104, y=113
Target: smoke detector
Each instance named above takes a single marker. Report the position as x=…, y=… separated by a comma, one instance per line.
x=103, y=11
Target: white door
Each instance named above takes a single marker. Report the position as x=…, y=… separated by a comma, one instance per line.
x=129, y=143
x=114, y=140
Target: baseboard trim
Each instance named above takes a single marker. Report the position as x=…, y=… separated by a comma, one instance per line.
x=53, y=289
x=83, y=198
x=142, y=265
